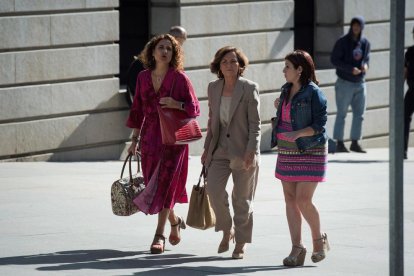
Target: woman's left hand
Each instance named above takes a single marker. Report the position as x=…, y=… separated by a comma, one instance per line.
x=249, y=158
x=290, y=136
x=168, y=102
x=203, y=157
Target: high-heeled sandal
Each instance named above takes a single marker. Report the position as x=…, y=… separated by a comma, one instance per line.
x=238, y=252
x=158, y=244
x=224, y=244
x=174, y=240
x=296, y=260
x=320, y=255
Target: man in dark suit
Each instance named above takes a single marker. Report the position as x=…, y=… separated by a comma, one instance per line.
x=409, y=96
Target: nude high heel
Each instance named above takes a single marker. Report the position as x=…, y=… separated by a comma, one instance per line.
x=224, y=244
x=320, y=255
x=238, y=252
x=158, y=244
x=297, y=260
x=174, y=240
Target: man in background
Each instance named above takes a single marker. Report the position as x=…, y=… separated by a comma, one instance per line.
x=409, y=96
x=350, y=56
x=179, y=33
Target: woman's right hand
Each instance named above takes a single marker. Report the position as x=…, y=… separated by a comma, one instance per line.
x=132, y=150
x=356, y=71
x=276, y=102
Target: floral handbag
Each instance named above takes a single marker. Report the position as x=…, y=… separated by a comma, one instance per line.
x=125, y=189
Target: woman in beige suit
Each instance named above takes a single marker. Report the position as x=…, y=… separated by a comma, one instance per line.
x=232, y=147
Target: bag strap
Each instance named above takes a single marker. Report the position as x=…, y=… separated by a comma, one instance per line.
x=202, y=175
x=129, y=159
x=123, y=167
x=204, y=171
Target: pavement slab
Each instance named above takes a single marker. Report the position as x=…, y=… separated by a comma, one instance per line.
x=56, y=219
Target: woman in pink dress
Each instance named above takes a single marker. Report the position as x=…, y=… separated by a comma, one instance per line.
x=164, y=167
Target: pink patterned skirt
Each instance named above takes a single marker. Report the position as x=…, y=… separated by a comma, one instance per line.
x=295, y=166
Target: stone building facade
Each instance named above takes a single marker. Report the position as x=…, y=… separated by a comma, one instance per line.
x=61, y=63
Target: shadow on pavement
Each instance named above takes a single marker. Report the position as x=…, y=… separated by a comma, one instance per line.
x=66, y=257
x=107, y=259
x=102, y=259
x=212, y=270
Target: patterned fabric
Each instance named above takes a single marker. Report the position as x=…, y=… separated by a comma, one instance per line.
x=293, y=165
x=166, y=166
x=123, y=192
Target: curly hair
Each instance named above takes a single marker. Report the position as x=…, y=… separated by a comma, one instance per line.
x=241, y=59
x=302, y=58
x=147, y=59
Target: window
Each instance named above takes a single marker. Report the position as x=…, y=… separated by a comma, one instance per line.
x=304, y=22
x=134, y=33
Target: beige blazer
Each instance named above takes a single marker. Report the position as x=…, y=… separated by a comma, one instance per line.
x=243, y=130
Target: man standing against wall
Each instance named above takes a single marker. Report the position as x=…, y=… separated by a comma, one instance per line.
x=409, y=96
x=350, y=56
x=179, y=33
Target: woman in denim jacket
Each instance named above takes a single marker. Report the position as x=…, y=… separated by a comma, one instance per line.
x=302, y=152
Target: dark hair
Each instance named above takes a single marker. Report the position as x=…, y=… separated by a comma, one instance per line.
x=148, y=60
x=241, y=59
x=178, y=31
x=303, y=59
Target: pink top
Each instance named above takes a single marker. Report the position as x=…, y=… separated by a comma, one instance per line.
x=285, y=123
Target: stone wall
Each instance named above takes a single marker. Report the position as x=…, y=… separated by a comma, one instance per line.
x=59, y=95
x=59, y=91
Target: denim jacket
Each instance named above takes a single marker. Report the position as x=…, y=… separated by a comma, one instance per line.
x=308, y=109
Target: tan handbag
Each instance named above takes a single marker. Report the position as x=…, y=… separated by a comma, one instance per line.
x=200, y=214
x=125, y=189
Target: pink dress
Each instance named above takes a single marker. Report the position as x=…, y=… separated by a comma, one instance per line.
x=164, y=167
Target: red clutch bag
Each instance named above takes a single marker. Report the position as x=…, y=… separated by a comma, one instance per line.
x=177, y=128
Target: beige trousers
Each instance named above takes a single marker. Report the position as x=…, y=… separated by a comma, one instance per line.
x=244, y=187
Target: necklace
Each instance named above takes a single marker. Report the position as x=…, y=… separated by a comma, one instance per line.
x=158, y=78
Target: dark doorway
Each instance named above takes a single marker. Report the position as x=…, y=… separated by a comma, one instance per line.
x=134, y=32
x=304, y=25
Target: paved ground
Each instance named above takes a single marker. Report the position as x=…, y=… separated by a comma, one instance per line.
x=56, y=219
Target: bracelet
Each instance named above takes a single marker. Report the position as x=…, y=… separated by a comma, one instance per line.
x=135, y=138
